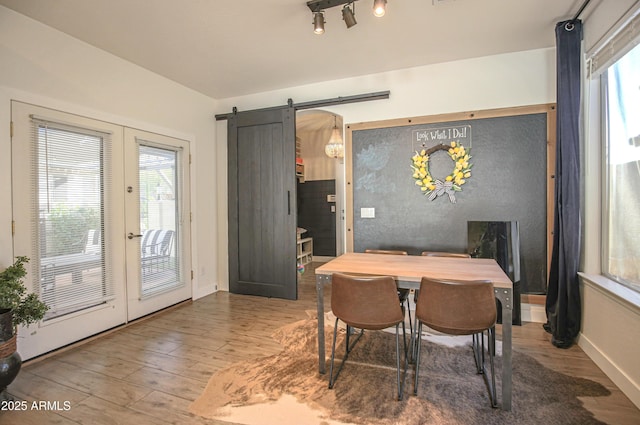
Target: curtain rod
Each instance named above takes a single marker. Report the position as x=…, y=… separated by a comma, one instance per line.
x=581, y=10
x=341, y=100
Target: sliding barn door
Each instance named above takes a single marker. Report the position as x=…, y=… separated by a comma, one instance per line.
x=262, y=203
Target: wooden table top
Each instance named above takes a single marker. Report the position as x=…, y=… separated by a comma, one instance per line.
x=411, y=268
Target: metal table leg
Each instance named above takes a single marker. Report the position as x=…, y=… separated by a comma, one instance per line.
x=321, y=280
x=505, y=296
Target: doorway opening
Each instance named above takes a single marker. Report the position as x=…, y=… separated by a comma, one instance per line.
x=319, y=188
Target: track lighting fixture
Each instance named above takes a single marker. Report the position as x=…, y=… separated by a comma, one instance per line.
x=318, y=7
x=379, y=7
x=348, y=15
x=318, y=22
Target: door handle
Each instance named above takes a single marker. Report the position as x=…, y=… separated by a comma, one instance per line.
x=288, y=202
x=131, y=236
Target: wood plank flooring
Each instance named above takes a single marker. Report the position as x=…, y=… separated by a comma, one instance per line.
x=150, y=371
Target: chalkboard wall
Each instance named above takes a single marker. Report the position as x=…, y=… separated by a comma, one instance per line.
x=508, y=182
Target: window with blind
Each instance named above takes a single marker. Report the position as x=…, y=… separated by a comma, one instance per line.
x=159, y=220
x=69, y=258
x=622, y=195
x=617, y=65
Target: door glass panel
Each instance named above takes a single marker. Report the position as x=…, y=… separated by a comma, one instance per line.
x=69, y=254
x=159, y=225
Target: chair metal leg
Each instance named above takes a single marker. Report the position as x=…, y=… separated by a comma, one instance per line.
x=404, y=375
x=475, y=344
x=346, y=338
x=409, y=314
x=349, y=346
x=333, y=356
x=406, y=310
x=482, y=349
x=415, y=336
x=404, y=342
x=492, y=354
x=478, y=354
x=347, y=349
x=416, y=359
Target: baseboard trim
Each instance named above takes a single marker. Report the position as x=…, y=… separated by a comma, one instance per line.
x=322, y=259
x=200, y=292
x=533, y=299
x=621, y=379
x=535, y=313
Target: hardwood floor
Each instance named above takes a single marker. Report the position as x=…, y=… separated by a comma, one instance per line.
x=150, y=371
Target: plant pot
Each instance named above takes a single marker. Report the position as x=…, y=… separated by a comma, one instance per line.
x=10, y=361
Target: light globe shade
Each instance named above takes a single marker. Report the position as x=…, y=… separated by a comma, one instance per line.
x=379, y=7
x=335, y=147
x=334, y=150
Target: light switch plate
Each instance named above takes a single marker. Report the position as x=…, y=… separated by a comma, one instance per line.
x=367, y=212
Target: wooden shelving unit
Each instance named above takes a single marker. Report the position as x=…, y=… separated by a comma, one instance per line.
x=305, y=250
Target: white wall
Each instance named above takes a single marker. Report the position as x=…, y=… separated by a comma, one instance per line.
x=317, y=165
x=611, y=330
x=45, y=67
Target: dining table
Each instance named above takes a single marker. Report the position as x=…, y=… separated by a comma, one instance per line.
x=408, y=270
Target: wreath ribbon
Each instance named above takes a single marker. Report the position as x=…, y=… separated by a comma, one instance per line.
x=441, y=189
x=434, y=188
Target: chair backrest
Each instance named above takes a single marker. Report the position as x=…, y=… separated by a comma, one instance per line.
x=167, y=243
x=385, y=251
x=445, y=254
x=157, y=242
x=456, y=307
x=94, y=242
x=365, y=302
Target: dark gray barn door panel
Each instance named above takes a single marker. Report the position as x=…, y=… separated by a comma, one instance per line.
x=262, y=203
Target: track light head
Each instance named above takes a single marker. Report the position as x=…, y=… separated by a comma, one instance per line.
x=379, y=7
x=318, y=8
x=349, y=16
x=318, y=22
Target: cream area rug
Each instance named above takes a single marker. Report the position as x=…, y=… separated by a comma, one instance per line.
x=286, y=388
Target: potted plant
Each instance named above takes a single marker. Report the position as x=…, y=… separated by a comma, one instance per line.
x=16, y=308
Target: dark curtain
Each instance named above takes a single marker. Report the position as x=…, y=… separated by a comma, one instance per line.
x=563, y=294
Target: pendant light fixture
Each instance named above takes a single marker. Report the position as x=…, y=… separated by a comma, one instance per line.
x=335, y=147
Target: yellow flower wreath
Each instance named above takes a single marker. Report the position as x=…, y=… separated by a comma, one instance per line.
x=458, y=176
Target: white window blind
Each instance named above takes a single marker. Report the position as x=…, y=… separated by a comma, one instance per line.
x=619, y=44
x=159, y=219
x=70, y=256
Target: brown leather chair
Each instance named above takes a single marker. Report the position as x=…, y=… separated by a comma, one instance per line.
x=386, y=251
x=415, y=296
x=459, y=308
x=445, y=254
x=366, y=303
x=403, y=294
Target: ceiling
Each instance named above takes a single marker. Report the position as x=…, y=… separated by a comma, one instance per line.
x=239, y=47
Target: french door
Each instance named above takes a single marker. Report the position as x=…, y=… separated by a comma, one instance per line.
x=156, y=202
x=74, y=204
